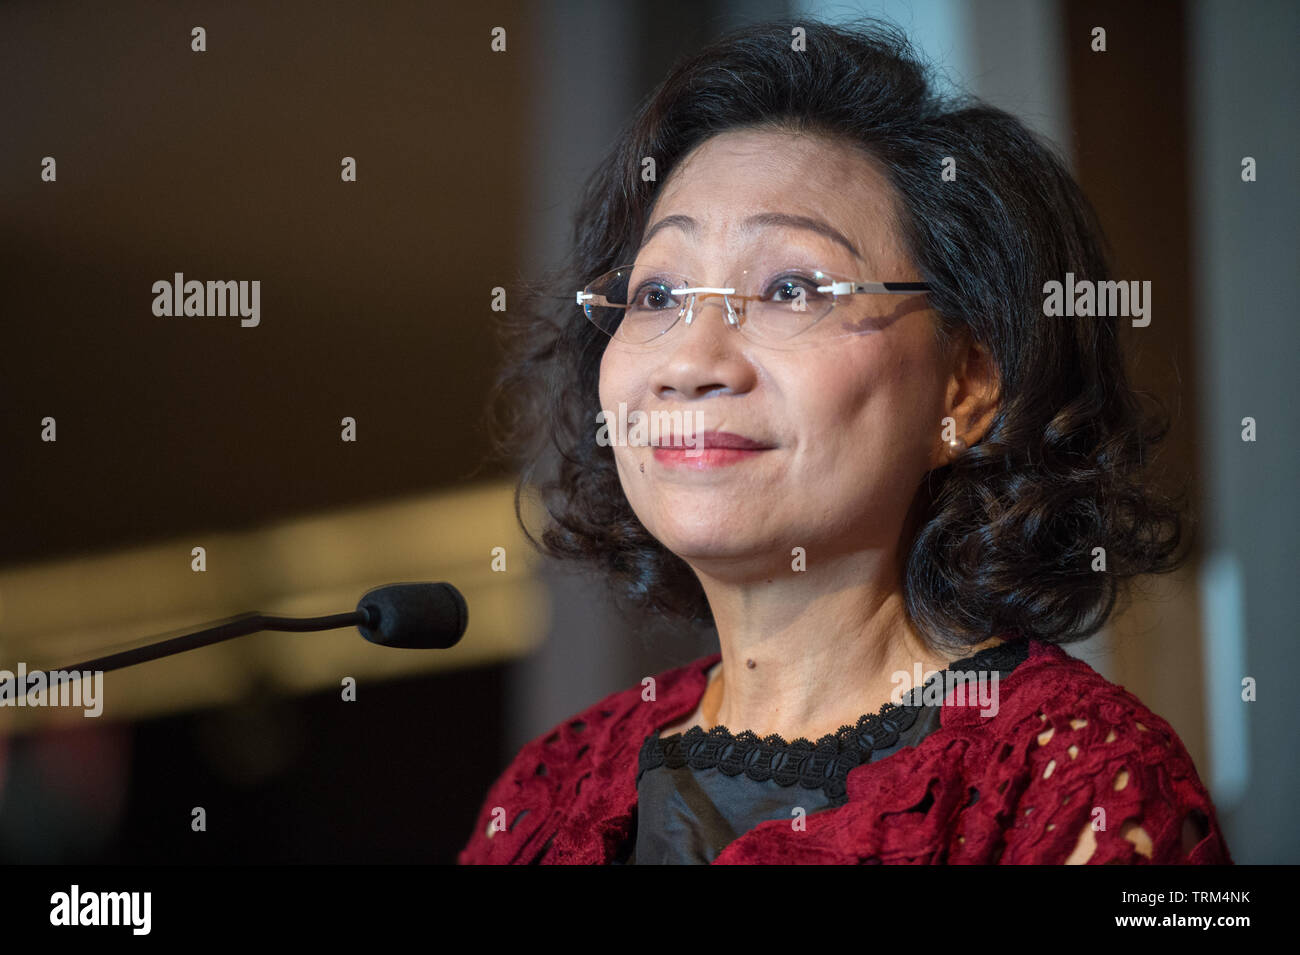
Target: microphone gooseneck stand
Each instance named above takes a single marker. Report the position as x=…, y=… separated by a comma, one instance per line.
x=238, y=626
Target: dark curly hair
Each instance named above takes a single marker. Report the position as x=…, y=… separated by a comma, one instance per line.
x=1003, y=543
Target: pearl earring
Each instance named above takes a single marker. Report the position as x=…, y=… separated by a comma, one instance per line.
x=956, y=446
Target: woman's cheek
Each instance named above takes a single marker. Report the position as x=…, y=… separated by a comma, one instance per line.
x=610, y=380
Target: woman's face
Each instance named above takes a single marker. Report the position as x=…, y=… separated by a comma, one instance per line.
x=848, y=427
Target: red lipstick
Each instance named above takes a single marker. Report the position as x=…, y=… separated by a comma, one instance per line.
x=709, y=449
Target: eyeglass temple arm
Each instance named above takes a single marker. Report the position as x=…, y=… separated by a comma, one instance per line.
x=877, y=288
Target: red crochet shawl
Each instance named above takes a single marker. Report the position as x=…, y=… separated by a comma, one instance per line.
x=1017, y=787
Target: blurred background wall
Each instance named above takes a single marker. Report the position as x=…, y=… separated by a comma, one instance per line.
x=377, y=305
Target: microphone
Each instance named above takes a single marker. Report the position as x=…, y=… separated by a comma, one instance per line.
x=414, y=616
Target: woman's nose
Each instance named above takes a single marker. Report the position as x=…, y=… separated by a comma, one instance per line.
x=730, y=311
x=706, y=357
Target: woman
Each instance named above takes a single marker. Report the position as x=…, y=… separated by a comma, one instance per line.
x=859, y=484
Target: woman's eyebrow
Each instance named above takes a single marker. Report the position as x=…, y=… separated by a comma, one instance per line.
x=761, y=220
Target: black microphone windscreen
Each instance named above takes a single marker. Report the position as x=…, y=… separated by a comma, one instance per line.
x=416, y=616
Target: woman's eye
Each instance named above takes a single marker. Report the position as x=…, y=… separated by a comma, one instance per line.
x=653, y=297
x=792, y=289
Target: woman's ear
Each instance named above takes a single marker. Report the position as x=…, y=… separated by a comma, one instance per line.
x=974, y=391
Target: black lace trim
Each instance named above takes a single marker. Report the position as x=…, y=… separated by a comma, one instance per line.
x=822, y=765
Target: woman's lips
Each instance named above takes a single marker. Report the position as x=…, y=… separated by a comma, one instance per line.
x=709, y=449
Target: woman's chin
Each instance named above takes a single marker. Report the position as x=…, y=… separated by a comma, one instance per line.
x=713, y=550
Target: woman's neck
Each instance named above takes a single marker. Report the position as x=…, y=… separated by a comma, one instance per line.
x=797, y=663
